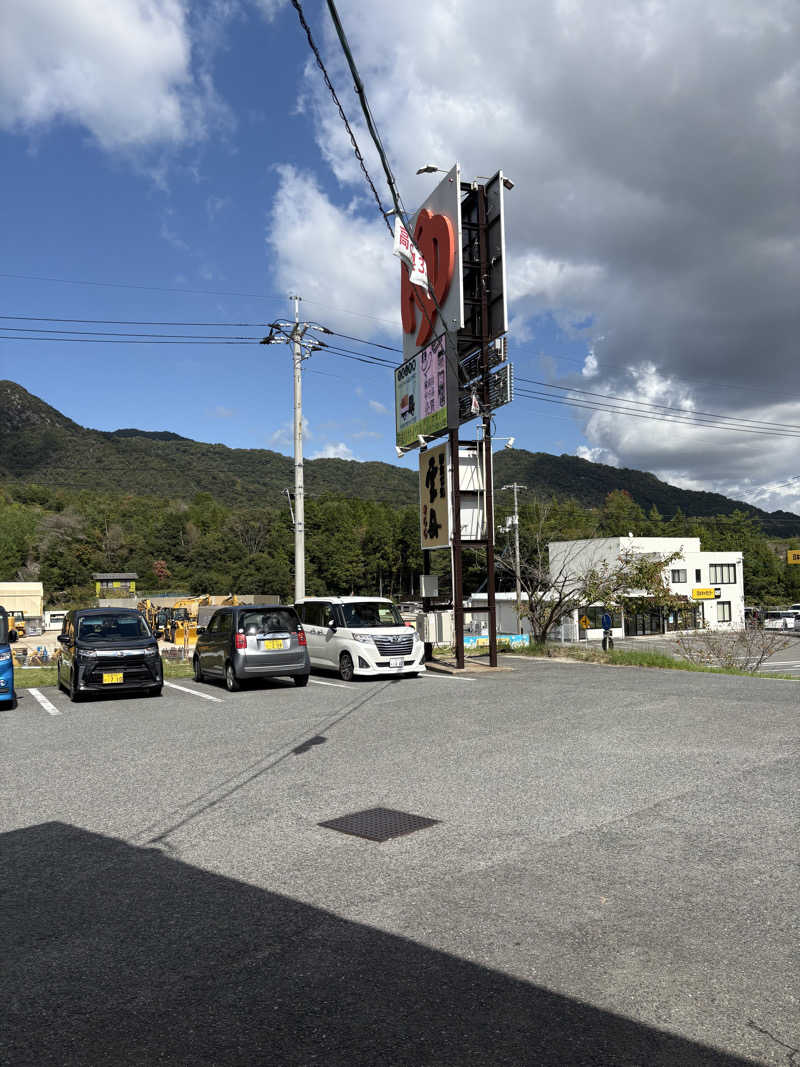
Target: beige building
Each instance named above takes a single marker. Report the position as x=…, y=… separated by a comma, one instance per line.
x=27, y=597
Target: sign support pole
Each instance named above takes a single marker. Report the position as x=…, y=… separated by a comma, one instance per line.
x=458, y=571
x=487, y=428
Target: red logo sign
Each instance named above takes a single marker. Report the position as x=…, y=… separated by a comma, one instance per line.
x=433, y=236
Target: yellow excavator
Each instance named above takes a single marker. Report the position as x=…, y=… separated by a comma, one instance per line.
x=16, y=626
x=155, y=616
x=180, y=626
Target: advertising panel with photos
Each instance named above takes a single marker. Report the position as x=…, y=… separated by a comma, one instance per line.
x=421, y=394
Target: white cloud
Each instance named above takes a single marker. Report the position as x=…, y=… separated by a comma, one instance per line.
x=656, y=210
x=120, y=68
x=221, y=412
x=283, y=437
x=215, y=205
x=361, y=434
x=331, y=256
x=334, y=451
x=380, y=408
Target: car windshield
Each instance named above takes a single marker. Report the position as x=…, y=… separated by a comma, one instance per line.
x=268, y=621
x=371, y=614
x=112, y=627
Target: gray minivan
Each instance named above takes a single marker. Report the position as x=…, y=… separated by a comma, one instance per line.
x=251, y=641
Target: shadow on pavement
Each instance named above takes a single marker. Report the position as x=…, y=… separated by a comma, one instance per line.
x=114, y=954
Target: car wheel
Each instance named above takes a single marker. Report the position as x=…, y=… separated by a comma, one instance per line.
x=231, y=681
x=198, y=674
x=346, y=668
x=154, y=691
x=73, y=692
x=301, y=680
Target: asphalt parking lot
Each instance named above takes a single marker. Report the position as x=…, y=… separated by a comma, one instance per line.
x=611, y=877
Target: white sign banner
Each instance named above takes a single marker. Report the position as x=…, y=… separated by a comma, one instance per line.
x=405, y=248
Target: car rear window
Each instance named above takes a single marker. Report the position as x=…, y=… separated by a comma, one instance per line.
x=268, y=620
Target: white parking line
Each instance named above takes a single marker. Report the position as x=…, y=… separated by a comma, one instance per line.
x=339, y=685
x=195, y=693
x=51, y=709
x=447, y=677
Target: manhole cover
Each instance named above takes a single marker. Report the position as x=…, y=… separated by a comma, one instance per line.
x=379, y=824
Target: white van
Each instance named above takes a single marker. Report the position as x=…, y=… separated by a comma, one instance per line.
x=360, y=635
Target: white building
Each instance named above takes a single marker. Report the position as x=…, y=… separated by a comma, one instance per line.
x=692, y=574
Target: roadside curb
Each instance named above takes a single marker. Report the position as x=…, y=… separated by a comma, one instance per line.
x=471, y=666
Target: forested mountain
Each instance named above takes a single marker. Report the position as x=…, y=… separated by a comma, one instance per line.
x=38, y=444
x=191, y=517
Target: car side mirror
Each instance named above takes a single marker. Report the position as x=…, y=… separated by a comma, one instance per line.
x=330, y=622
x=62, y=639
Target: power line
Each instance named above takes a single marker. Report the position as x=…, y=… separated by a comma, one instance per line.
x=356, y=149
x=667, y=407
x=148, y=288
x=651, y=416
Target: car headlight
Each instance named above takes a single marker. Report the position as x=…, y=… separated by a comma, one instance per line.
x=87, y=653
x=151, y=652
x=5, y=657
x=364, y=639
x=417, y=639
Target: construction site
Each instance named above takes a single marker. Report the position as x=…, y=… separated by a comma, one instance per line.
x=173, y=619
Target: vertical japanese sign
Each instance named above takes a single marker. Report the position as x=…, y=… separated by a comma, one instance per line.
x=434, y=498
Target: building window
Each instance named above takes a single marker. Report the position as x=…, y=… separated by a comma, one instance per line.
x=595, y=617
x=697, y=577
x=723, y=611
x=722, y=573
x=678, y=577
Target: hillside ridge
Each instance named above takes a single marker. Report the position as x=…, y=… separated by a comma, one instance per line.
x=41, y=445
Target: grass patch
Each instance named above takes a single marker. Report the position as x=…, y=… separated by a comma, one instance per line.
x=630, y=658
x=34, y=677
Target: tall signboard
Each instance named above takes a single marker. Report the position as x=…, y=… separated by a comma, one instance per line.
x=434, y=498
x=436, y=232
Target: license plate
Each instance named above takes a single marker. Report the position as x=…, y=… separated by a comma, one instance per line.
x=109, y=679
x=273, y=644
x=396, y=661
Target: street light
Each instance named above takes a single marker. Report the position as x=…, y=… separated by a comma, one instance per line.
x=430, y=169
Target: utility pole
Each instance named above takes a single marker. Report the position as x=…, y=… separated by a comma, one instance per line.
x=299, y=491
x=517, y=574
x=294, y=332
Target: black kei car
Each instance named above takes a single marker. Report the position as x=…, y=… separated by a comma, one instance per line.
x=108, y=649
x=252, y=641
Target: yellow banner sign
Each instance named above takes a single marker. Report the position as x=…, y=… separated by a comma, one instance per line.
x=792, y=555
x=702, y=594
x=584, y=621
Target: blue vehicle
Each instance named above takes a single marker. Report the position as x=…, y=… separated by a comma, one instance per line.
x=7, y=694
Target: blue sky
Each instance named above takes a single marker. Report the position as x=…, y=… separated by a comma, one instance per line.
x=157, y=147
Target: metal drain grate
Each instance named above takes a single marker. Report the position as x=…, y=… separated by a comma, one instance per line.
x=379, y=824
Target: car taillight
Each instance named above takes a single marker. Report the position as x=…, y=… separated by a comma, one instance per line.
x=301, y=636
x=241, y=641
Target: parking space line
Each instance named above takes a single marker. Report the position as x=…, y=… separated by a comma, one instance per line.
x=51, y=709
x=195, y=693
x=339, y=685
